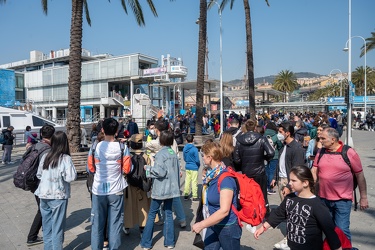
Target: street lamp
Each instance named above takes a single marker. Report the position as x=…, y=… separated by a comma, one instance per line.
x=349, y=139
x=347, y=49
x=221, y=73
x=330, y=73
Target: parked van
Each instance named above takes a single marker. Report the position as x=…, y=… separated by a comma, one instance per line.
x=20, y=119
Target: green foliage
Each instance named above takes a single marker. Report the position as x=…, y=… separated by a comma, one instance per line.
x=285, y=82
x=370, y=44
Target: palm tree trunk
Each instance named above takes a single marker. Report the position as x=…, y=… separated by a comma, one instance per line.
x=74, y=82
x=249, y=60
x=201, y=65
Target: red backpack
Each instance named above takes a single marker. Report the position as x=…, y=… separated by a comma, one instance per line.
x=345, y=242
x=251, y=205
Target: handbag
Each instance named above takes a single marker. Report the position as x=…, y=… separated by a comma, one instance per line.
x=198, y=241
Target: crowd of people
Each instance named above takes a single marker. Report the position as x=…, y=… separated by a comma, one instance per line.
x=298, y=156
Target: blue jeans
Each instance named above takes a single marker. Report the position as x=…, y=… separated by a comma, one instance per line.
x=226, y=237
x=340, y=212
x=53, y=220
x=178, y=209
x=110, y=208
x=7, y=153
x=340, y=129
x=270, y=171
x=168, y=230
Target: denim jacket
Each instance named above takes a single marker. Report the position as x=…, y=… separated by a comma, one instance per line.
x=165, y=174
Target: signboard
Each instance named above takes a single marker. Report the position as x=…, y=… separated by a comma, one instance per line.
x=351, y=92
x=154, y=71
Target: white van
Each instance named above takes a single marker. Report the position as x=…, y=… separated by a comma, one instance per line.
x=20, y=119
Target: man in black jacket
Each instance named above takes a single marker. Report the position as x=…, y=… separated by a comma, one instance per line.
x=8, y=145
x=251, y=150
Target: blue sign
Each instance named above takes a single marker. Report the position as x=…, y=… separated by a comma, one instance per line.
x=336, y=100
x=351, y=92
x=7, y=87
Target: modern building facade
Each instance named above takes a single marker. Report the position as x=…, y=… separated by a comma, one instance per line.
x=108, y=83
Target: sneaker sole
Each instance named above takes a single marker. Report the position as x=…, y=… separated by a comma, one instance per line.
x=34, y=243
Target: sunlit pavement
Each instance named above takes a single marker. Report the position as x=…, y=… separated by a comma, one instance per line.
x=18, y=207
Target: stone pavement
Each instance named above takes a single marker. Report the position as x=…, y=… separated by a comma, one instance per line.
x=17, y=210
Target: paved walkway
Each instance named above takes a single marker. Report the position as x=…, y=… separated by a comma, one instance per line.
x=17, y=210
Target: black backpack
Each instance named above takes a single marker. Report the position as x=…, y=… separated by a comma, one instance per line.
x=344, y=154
x=25, y=176
x=137, y=177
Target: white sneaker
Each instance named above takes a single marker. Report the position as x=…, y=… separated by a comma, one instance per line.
x=282, y=245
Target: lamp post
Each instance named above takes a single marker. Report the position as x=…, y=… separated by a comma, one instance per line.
x=347, y=49
x=349, y=139
x=221, y=74
x=330, y=73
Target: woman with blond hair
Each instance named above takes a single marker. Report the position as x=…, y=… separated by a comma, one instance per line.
x=226, y=143
x=222, y=225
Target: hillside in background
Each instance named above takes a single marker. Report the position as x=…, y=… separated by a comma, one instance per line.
x=271, y=79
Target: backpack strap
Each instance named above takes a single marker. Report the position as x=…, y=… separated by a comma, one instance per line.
x=344, y=154
x=93, y=148
x=229, y=173
x=122, y=147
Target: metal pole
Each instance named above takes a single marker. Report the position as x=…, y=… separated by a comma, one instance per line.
x=222, y=125
x=349, y=139
x=364, y=41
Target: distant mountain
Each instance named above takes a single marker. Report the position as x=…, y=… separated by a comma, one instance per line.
x=271, y=79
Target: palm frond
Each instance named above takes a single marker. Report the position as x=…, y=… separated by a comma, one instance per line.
x=45, y=6
x=123, y=4
x=370, y=44
x=87, y=13
x=137, y=11
x=152, y=7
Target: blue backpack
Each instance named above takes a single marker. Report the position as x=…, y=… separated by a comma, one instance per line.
x=2, y=138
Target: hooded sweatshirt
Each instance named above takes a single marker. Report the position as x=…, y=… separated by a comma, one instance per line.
x=251, y=150
x=191, y=157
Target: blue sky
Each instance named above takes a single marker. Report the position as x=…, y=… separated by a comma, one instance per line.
x=297, y=35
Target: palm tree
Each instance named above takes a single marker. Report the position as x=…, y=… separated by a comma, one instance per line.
x=358, y=78
x=285, y=82
x=75, y=60
x=370, y=44
x=201, y=65
x=249, y=53
x=328, y=91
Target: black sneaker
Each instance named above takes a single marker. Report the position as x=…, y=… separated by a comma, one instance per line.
x=195, y=199
x=38, y=240
x=186, y=197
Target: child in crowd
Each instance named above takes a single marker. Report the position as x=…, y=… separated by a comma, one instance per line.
x=192, y=161
x=307, y=217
